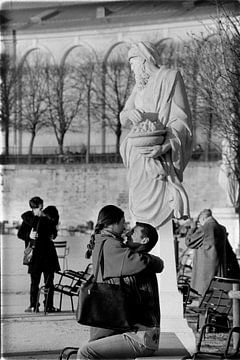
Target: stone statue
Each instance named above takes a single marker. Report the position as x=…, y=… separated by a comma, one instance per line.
x=159, y=144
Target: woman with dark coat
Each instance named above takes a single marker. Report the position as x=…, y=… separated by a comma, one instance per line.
x=39, y=228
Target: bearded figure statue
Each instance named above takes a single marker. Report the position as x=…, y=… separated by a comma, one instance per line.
x=159, y=144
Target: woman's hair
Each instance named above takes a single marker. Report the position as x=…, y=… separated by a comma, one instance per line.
x=52, y=213
x=108, y=215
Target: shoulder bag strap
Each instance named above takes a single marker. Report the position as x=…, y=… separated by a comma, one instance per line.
x=98, y=261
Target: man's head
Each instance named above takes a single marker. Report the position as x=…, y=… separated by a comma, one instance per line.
x=140, y=56
x=36, y=204
x=204, y=215
x=143, y=237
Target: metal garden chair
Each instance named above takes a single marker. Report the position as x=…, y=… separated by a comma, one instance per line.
x=62, y=249
x=70, y=282
x=216, y=307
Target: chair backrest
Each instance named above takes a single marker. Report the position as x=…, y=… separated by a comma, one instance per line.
x=185, y=263
x=78, y=277
x=62, y=248
x=216, y=296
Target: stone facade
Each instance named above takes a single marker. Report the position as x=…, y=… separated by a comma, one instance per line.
x=79, y=191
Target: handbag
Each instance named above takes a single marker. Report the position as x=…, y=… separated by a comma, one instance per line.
x=102, y=304
x=28, y=252
x=27, y=255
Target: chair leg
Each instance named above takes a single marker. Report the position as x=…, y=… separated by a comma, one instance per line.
x=67, y=352
x=60, y=302
x=72, y=304
x=46, y=292
x=72, y=353
x=237, y=330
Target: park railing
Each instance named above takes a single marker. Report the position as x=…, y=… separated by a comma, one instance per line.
x=56, y=159
x=49, y=155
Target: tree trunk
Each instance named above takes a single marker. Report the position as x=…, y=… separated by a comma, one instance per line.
x=88, y=128
x=60, y=144
x=209, y=139
x=239, y=232
x=118, y=136
x=103, y=115
x=33, y=134
x=194, y=101
x=238, y=212
x=6, y=135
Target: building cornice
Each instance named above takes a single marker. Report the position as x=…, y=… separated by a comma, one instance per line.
x=85, y=17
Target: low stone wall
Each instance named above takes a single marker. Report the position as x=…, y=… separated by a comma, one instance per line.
x=79, y=191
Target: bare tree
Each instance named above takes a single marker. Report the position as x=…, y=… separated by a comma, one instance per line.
x=118, y=86
x=220, y=83
x=198, y=68
x=65, y=96
x=8, y=99
x=118, y=82
x=88, y=75
x=33, y=97
x=86, y=63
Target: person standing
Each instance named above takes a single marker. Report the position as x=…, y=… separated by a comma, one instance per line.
x=213, y=254
x=39, y=228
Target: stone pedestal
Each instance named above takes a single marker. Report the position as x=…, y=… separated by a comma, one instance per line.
x=171, y=302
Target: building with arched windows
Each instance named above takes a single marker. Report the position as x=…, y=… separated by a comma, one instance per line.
x=60, y=30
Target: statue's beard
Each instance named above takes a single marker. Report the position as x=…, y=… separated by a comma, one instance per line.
x=141, y=79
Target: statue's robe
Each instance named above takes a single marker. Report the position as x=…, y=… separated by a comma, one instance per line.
x=155, y=189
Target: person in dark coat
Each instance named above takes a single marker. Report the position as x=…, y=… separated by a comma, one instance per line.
x=143, y=237
x=39, y=228
x=121, y=260
x=213, y=254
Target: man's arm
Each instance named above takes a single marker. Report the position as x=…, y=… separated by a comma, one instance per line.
x=135, y=262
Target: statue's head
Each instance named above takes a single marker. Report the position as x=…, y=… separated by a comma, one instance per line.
x=140, y=55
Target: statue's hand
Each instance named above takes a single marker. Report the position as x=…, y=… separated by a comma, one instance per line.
x=155, y=151
x=135, y=116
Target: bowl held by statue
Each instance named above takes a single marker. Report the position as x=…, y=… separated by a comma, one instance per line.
x=141, y=139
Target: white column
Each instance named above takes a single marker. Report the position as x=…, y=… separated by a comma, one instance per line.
x=171, y=301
